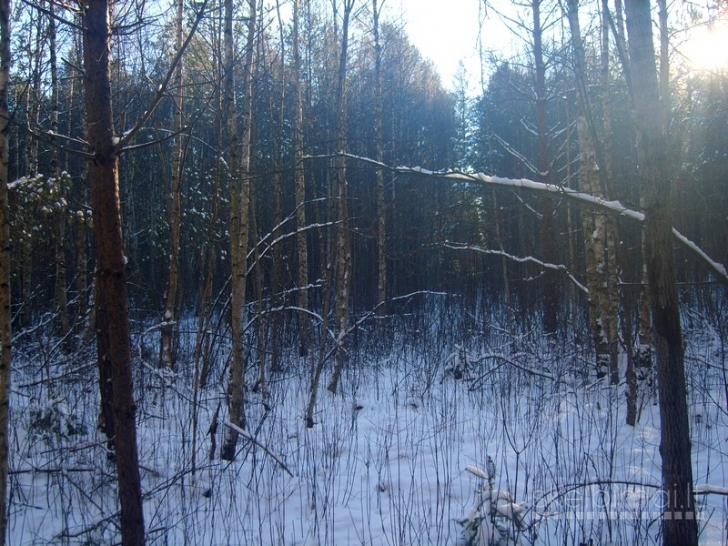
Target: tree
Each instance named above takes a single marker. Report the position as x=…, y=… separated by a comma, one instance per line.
x=111, y=279
x=175, y=200
x=59, y=287
x=533, y=146
x=601, y=306
x=643, y=356
x=379, y=156
x=550, y=316
x=239, y=216
x=300, y=189
x=679, y=522
x=6, y=332
x=343, y=243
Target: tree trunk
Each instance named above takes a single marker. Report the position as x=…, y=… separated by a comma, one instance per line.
x=679, y=523
x=59, y=286
x=104, y=179
x=81, y=219
x=82, y=263
x=343, y=244
x=626, y=309
x=300, y=193
x=276, y=283
x=239, y=220
x=103, y=362
x=643, y=357
x=643, y=351
x=167, y=338
x=261, y=334
x=550, y=316
x=593, y=226
x=6, y=334
x=207, y=260
x=31, y=170
x=379, y=143
x=612, y=228
x=318, y=366
x=602, y=307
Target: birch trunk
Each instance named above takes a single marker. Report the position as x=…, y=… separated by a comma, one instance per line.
x=602, y=306
x=167, y=338
x=612, y=230
x=343, y=244
x=239, y=220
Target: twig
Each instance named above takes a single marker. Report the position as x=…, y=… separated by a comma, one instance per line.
x=244, y=434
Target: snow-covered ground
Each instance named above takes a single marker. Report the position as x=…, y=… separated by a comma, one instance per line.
x=427, y=442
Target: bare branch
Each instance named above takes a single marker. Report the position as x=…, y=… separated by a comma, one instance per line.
x=54, y=15
x=527, y=259
x=50, y=137
x=162, y=89
x=248, y=436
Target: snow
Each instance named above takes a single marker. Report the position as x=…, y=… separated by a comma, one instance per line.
x=476, y=471
x=396, y=457
x=717, y=267
x=707, y=488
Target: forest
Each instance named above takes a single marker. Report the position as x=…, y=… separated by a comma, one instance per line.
x=265, y=278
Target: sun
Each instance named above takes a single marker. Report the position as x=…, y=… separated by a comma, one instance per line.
x=706, y=46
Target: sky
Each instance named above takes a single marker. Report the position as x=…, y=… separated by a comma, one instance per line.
x=444, y=32
x=448, y=35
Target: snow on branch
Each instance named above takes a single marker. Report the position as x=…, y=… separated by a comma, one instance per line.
x=519, y=156
x=605, y=205
x=557, y=267
x=705, y=488
x=718, y=268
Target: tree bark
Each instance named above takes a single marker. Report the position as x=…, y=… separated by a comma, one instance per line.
x=343, y=244
x=104, y=179
x=6, y=333
x=550, y=315
x=277, y=272
x=612, y=228
x=59, y=285
x=379, y=156
x=601, y=305
x=679, y=523
x=167, y=338
x=239, y=221
x=103, y=362
x=300, y=192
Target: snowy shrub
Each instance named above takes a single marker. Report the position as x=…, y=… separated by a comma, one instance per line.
x=495, y=516
x=55, y=420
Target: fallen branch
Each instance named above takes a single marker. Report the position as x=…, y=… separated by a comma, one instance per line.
x=247, y=436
